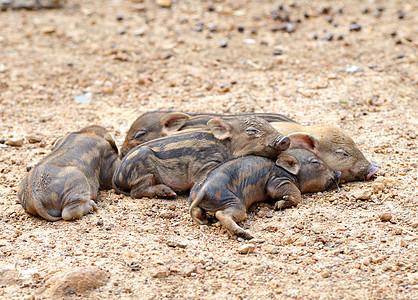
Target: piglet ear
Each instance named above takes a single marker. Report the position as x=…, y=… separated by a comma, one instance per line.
x=173, y=122
x=289, y=163
x=303, y=139
x=109, y=138
x=220, y=128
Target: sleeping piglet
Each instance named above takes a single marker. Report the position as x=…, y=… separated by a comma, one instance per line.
x=230, y=189
x=65, y=183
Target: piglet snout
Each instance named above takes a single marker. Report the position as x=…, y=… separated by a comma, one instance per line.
x=283, y=144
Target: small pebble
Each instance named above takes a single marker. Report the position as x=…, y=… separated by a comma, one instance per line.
x=329, y=37
x=84, y=99
x=277, y=52
x=164, y=3
x=119, y=17
x=315, y=36
x=355, y=27
x=160, y=273
x=400, y=56
x=223, y=44
x=34, y=139
x=199, y=27
x=189, y=270
x=99, y=223
x=363, y=195
x=176, y=244
x=212, y=28
x=272, y=249
x=246, y=249
x=325, y=10
x=289, y=28
x=352, y=69
x=211, y=8
x=249, y=41
x=225, y=88
x=257, y=241
x=393, y=33
x=325, y=274
x=17, y=142
x=340, y=37
x=241, y=28
x=385, y=217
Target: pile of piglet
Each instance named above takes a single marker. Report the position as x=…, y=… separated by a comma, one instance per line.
x=228, y=162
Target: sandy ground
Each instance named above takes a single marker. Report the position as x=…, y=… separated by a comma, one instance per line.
x=135, y=56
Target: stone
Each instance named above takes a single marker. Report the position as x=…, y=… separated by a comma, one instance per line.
x=272, y=249
x=84, y=99
x=77, y=281
x=160, y=273
x=317, y=229
x=32, y=139
x=257, y=241
x=164, y=3
x=385, y=217
x=9, y=276
x=166, y=214
x=189, y=270
x=16, y=142
x=325, y=273
x=246, y=249
x=377, y=187
x=414, y=223
x=352, y=69
x=176, y=244
x=362, y=195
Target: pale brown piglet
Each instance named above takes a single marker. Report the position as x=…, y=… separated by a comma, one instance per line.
x=65, y=183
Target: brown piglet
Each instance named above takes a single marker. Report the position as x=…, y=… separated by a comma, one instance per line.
x=230, y=189
x=174, y=163
x=156, y=124
x=65, y=183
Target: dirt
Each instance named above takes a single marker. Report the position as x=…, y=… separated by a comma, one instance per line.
x=133, y=57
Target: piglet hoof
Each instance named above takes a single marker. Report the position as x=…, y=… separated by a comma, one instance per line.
x=279, y=205
x=212, y=220
x=244, y=235
x=94, y=206
x=165, y=191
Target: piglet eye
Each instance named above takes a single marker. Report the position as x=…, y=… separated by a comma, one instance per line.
x=138, y=134
x=342, y=152
x=251, y=130
x=315, y=162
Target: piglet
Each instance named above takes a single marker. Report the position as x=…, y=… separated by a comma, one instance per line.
x=230, y=189
x=65, y=183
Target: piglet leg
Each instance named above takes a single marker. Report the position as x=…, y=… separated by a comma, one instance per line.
x=286, y=191
x=146, y=187
x=230, y=216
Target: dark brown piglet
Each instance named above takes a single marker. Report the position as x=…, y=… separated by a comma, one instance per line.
x=234, y=186
x=161, y=167
x=156, y=124
x=65, y=183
